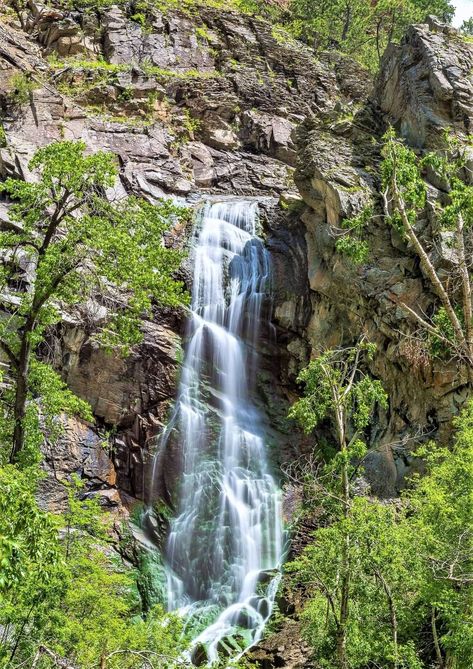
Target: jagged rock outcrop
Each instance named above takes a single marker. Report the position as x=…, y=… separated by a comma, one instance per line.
x=79, y=451
x=206, y=102
x=426, y=86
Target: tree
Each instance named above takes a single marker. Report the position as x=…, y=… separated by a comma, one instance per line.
x=410, y=562
x=467, y=27
x=385, y=605
x=64, y=243
x=337, y=390
x=404, y=194
x=30, y=559
x=441, y=515
x=449, y=329
x=360, y=28
x=67, y=600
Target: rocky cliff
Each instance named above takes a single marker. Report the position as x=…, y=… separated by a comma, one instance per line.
x=195, y=105
x=423, y=89
x=214, y=103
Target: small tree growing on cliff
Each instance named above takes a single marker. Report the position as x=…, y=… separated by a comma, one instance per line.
x=64, y=243
x=404, y=195
x=337, y=390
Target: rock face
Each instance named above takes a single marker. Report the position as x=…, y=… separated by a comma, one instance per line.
x=193, y=106
x=426, y=85
x=423, y=89
x=207, y=102
x=80, y=452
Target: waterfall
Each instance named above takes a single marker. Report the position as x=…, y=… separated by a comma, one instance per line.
x=224, y=544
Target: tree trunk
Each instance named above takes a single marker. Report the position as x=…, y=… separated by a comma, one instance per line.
x=347, y=22
x=342, y=659
x=392, y=615
x=21, y=395
x=429, y=270
x=438, y=652
x=466, y=285
x=345, y=584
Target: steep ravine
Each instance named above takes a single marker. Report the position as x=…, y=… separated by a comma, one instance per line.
x=214, y=104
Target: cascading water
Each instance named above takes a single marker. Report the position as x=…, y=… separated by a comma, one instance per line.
x=225, y=544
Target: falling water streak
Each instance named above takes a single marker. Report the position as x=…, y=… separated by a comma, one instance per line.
x=226, y=541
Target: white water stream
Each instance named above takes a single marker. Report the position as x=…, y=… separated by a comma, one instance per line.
x=225, y=543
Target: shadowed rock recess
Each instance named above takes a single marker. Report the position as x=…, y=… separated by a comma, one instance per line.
x=210, y=105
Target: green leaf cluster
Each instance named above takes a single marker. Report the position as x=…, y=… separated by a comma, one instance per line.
x=64, y=587
x=329, y=386
x=409, y=564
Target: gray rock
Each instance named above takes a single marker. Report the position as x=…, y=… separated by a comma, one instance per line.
x=425, y=83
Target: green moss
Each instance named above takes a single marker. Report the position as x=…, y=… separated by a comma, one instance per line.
x=202, y=33
x=151, y=582
x=126, y=94
x=161, y=73
x=281, y=35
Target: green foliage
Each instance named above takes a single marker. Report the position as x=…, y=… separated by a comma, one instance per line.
x=21, y=87
x=202, y=33
x=189, y=126
x=79, y=245
x=72, y=594
x=76, y=63
x=337, y=390
x=400, y=162
x=28, y=546
x=30, y=558
x=360, y=28
x=410, y=567
x=441, y=504
x=330, y=375
x=88, y=4
x=351, y=242
x=441, y=344
x=451, y=328
x=467, y=27
x=379, y=555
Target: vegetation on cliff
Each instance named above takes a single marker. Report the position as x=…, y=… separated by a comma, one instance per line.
x=64, y=592
x=66, y=244
x=360, y=28
x=384, y=584
x=387, y=583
